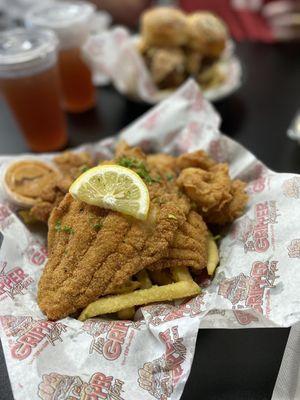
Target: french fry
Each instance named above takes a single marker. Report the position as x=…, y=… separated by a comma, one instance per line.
x=127, y=313
x=160, y=277
x=144, y=279
x=212, y=257
x=181, y=274
x=127, y=287
x=111, y=304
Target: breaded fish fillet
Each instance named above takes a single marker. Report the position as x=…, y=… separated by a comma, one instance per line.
x=92, y=251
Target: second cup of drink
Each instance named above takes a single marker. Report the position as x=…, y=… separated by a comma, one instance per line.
x=70, y=21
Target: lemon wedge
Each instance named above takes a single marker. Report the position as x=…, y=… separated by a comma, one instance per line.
x=114, y=187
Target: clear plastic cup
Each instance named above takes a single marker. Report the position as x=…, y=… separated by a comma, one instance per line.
x=70, y=20
x=29, y=82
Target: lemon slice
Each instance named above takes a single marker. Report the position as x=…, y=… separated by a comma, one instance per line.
x=114, y=187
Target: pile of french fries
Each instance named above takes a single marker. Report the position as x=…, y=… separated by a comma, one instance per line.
x=151, y=287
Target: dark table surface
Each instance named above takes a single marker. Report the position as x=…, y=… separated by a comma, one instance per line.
x=228, y=364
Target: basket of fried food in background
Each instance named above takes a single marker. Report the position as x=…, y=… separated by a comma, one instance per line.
x=170, y=48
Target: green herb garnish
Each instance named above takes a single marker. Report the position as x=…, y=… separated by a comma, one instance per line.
x=83, y=169
x=65, y=228
x=58, y=225
x=97, y=226
x=139, y=167
x=170, y=177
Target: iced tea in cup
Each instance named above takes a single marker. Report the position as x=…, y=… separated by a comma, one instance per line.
x=29, y=82
x=71, y=23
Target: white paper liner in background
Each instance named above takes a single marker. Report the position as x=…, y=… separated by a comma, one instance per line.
x=114, y=54
x=256, y=284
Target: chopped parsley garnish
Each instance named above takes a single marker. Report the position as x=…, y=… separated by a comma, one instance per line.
x=170, y=177
x=65, y=228
x=139, y=167
x=97, y=226
x=84, y=168
x=58, y=225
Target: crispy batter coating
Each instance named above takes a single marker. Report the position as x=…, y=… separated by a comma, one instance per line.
x=232, y=209
x=219, y=199
x=70, y=166
x=94, y=252
x=164, y=26
x=167, y=66
x=197, y=159
x=209, y=189
x=189, y=247
x=85, y=263
x=164, y=163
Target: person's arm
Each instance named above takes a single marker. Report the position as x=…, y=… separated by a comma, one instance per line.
x=125, y=12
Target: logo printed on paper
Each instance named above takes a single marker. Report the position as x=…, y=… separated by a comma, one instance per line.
x=5, y=217
x=258, y=185
x=28, y=337
x=108, y=338
x=161, y=313
x=160, y=376
x=55, y=386
x=258, y=233
x=291, y=187
x=13, y=282
x=217, y=150
x=244, y=317
x=251, y=291
x=294, y=248
x=36, y=252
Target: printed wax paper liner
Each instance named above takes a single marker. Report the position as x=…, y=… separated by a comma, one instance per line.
x=114, y=53
x=256, y=284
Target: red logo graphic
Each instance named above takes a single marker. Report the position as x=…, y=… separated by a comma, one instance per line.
x=251, y=291
x=244, y=317
x=36, y=252
x=152, y=119
x=217, y=151
x=256, y=234
x=294, y=248
x=63, y=387
x=159, y=377
x=29, y=337
x=291, y=187
x=258, y=185
x=108, y=338
x=167, y=312
x=13, y=282
x=5, y=214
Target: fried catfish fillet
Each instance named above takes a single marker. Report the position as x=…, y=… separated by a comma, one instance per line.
x=92, y=251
